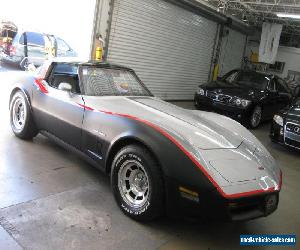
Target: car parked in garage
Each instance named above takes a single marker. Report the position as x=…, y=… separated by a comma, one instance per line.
x=247, y=96
x=29, y=47
x=160, y=157
x=285, y=128
x=7, y=31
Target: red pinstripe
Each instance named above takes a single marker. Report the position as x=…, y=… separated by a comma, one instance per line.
x=192, y=158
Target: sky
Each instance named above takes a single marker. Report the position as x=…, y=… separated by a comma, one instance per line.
x=70, y=20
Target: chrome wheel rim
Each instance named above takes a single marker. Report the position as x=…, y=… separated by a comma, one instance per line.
x=133, y=183
x=256, y=117
x=19, y=113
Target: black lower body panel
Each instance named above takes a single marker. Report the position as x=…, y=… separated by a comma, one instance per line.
x=211, y=205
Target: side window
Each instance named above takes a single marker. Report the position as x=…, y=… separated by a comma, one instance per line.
x=36, y=39
x=63, y=72
x=62, y=45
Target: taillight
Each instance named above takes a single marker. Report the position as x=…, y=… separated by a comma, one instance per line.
x=12, y=50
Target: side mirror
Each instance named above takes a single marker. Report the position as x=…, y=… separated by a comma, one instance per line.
x=64, y=86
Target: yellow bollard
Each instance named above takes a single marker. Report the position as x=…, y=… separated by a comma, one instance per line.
x=216, y=72
x=99, y=54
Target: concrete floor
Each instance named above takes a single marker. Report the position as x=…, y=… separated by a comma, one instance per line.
x=50, y=199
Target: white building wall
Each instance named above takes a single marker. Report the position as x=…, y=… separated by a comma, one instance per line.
x=289, y=55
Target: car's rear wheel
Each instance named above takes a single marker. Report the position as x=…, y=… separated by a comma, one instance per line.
x=255, y=117
x=137, y=183
x=21, y=120
x=24, y=64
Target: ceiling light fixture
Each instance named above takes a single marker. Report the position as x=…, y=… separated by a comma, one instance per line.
x=295, y=16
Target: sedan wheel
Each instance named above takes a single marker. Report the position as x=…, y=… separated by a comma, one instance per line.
x=137, y=183
x=255, y=117
x=24, y=64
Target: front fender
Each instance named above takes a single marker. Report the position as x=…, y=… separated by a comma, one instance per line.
x=171, y=156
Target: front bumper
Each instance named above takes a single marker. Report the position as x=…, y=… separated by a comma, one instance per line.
x=281, y=135
x=211, y=205
x=204, y=103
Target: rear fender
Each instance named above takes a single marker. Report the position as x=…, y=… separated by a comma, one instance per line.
x=24, y=91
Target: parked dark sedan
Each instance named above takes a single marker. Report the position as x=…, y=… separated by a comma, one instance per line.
x=285, y=128
x=246, y=96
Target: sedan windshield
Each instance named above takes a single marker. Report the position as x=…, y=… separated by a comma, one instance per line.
x=248, y=79
x=112, y=82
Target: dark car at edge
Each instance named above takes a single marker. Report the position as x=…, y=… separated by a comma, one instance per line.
x=285, y=128
x=247, y=96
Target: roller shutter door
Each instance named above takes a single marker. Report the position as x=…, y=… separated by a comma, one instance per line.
x=232, y=51
x=169, y=47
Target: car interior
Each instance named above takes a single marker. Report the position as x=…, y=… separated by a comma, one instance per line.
x=64, y=73
x=58, y=78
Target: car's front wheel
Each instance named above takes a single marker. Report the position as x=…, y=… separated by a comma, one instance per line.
x=137, y=183
x=21, y=119
x=255, y=117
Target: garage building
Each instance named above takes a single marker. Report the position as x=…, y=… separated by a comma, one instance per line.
x=172, y=45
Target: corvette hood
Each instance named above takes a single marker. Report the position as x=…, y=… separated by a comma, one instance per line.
x=202, y=130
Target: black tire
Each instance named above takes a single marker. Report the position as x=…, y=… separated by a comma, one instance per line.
x=196, y=104
x=24, y=64
x=153, y=207
x=27, y=130
x=255, y=122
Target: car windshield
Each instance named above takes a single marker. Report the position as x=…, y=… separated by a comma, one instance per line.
x=111, y=82
x=248, y=79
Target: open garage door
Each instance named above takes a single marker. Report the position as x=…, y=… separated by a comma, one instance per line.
x=169, y=47
x=232, y=51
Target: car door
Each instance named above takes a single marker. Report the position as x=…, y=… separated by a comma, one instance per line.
x=36, y=48
x=270, y=104
x=58, y=112
x=284, y=94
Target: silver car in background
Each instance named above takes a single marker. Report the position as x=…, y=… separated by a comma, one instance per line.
x=37, y=49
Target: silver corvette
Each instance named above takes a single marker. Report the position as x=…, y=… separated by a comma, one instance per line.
x=160, y=158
